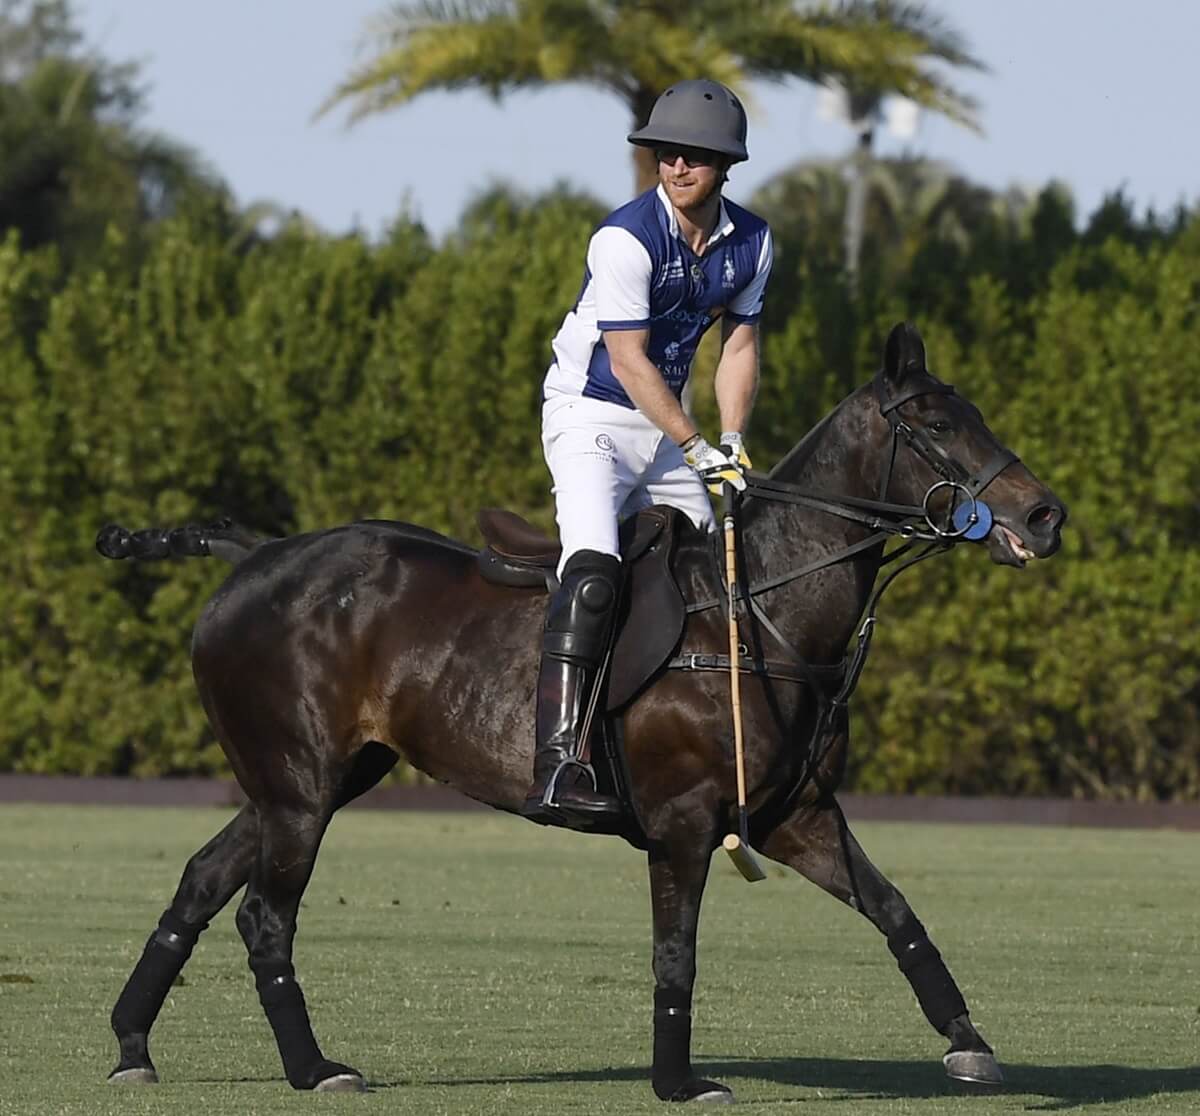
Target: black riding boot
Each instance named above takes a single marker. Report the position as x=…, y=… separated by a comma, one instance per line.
x=578, y=621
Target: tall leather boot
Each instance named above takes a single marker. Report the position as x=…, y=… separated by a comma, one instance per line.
x=578, y=620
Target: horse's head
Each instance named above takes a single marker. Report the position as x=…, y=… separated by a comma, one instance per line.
x=945, y=457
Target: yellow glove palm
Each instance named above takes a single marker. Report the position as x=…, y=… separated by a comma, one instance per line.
x=717, y=466
x=732, y=444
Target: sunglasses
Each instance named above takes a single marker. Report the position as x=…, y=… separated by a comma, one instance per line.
x=691, y=156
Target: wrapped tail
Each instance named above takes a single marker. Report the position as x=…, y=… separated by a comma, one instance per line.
x=222, y=539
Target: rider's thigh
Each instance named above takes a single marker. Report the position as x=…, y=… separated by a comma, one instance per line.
x=596, y=452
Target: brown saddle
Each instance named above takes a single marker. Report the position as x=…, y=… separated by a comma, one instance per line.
x=651, y=614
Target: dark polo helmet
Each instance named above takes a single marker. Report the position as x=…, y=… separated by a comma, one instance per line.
x=697, y=113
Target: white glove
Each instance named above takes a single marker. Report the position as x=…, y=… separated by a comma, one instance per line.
x=715, y=467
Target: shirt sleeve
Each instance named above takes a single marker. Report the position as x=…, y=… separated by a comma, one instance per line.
x=747, y=306
x=620, y=269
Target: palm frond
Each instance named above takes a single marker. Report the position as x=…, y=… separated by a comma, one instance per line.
x=498, y=45
x=871, y=47
x=937, y=37
x=636, y=48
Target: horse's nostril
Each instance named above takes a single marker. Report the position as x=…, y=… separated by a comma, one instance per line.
x=1044, y=518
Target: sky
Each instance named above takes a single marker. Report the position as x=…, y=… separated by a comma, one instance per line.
x=1099, y=94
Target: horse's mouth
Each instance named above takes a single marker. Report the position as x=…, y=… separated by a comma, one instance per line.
x=1007, y=548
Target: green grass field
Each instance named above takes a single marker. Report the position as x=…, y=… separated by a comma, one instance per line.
x=477, y=964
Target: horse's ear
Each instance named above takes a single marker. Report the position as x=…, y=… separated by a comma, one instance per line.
x=904, y=353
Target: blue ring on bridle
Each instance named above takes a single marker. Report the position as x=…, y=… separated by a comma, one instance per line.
x=971, y=519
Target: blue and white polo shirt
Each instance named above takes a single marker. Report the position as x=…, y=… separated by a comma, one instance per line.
x=642, y=274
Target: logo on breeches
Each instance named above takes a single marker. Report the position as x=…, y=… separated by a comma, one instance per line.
x=605, y=443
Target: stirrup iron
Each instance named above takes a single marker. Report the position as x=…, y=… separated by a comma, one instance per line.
x=552, y=783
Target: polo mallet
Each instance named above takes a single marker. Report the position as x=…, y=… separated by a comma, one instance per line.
x=737, y=844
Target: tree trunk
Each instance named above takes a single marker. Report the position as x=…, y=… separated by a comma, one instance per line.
x=645, y=165
x=856, y=205
x=645, y=169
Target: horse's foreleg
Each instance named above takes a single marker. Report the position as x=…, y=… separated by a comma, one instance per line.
x=678, y=871
x=818, y=844
x=211, y=878
x=288, y=841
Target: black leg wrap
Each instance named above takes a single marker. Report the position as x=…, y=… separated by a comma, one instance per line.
x=283, y=1001
x=142, y=998
x=672, y=1041
x=672, y=1075
x=920, y=962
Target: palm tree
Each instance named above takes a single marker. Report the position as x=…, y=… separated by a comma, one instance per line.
x=72, y=158
x=636, y=48
x=933, y=38
x=919, y=217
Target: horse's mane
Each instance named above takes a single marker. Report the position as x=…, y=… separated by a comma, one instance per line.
x=802, y=450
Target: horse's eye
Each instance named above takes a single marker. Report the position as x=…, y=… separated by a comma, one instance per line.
x=939, y=428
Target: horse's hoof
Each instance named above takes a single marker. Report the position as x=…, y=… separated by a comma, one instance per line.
x=341, y=1083
x=705, y=1092
x=973, y=1065
x=134, y=1075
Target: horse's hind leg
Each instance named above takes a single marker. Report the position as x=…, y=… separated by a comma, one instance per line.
x=289, y=836
x=211, y=878
x=818, y=844
x=290, y=833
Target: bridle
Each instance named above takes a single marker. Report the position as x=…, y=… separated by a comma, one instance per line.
x=969, y=520
x=954, y=475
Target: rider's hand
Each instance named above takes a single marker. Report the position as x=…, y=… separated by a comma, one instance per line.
x=715, y=467
x=733, y=446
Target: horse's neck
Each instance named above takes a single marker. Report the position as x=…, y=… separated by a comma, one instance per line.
x=836, y=460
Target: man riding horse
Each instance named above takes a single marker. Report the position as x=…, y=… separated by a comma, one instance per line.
x=326, y=656
x=660, y=270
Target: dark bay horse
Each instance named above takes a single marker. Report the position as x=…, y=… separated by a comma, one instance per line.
x=324, y=657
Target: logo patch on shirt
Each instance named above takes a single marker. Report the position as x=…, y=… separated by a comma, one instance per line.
x=673, y=272
x=605, y=443
x=729, y=276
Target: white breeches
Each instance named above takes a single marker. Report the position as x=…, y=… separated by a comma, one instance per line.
x=609, y=462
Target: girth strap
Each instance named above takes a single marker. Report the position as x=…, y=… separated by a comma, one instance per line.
x=766, y=668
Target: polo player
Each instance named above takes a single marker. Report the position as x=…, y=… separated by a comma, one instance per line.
x=660, y=271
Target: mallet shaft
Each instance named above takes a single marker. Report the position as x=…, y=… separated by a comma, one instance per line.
x=737, y=845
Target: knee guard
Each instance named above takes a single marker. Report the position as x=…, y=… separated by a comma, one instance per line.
x=580, y=613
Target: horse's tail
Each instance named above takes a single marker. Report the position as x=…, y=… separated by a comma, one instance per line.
x=222, y=539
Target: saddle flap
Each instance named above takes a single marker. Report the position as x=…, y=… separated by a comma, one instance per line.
x=653, y=613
